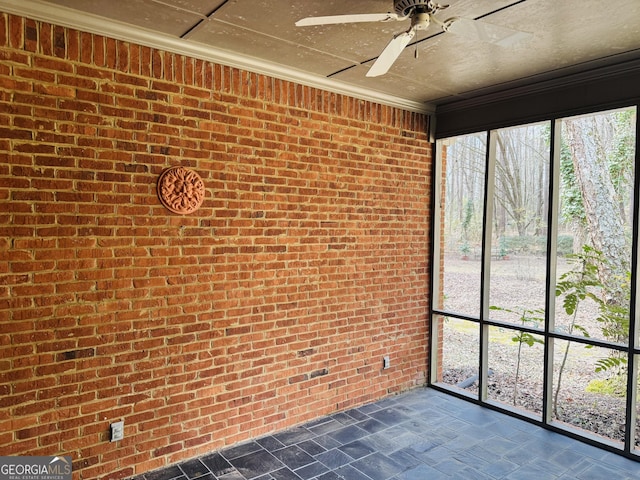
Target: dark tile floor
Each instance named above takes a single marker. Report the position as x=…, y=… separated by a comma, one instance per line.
x=419, y=435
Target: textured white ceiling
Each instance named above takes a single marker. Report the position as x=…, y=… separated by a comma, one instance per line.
x=567, y=36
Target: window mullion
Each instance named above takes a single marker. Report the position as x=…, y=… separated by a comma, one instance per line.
x=552, y=248
x=487, y=222
x=634, y=311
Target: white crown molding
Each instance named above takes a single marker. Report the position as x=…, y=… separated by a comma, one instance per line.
x=66, y=17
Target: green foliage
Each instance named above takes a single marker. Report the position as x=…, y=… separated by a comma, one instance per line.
x=527, y=339
x=575, y=284
x=611, y=362
x=533, y=317
x=468, y=216
x=608, y=386
x=581, y=283
x=464, y=247
x=565, y=245
x=615, y=316
x=583, y=331
x=621, y=158
x=615, y=321
x=571, y=196
x=524, y=243
x=502, y=248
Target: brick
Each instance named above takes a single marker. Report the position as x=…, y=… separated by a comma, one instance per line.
x=4, y=20
x=59, y=42
x=16, y=32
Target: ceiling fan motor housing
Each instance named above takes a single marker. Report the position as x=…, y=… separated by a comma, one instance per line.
x=404, y=7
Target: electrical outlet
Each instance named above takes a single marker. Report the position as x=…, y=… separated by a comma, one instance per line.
x=386, y=362
x=117, y=431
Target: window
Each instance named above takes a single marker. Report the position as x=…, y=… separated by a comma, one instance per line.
x=534, y=281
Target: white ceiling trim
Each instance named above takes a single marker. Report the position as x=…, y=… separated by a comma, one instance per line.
x=66, y=17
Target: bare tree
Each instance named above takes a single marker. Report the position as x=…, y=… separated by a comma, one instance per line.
x=521, y=169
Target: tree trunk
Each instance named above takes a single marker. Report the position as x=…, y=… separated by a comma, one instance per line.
x=579, y=237
x=604, y=222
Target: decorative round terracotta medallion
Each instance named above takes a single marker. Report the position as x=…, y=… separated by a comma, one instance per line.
x=181, y=190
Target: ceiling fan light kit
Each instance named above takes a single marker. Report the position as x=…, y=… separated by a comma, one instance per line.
x=421, y=13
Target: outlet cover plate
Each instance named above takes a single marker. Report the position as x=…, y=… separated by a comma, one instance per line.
x=117, y=431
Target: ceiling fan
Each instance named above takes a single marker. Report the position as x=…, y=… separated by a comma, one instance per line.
x=421, y=13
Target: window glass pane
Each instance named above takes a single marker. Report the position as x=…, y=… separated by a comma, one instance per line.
x=589, y=389
x=516, y=368
x=460, y=353
x=591, y=210
x=519, y=222
x=597, y=170
x=463, y=161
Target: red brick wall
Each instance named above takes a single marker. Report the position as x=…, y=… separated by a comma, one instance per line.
x=271, y=305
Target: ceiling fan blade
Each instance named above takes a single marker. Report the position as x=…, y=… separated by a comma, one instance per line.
x=390, y=53
x=485, y=32
x=358, y=18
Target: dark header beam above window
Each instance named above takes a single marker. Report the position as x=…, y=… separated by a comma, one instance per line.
x=600, y=88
